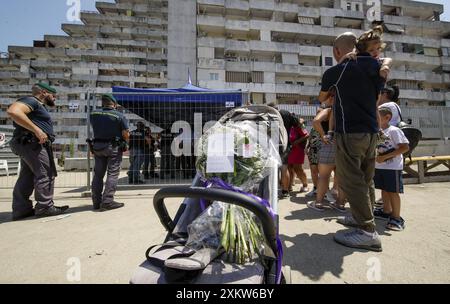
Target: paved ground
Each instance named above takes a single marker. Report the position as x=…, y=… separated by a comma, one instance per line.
x=110, y=245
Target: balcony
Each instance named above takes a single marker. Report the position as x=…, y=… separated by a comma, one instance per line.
x=211, y=22
x=297, y=89
x=422, y=95
x=237, y=5
x=14, y=75
x=92, y=18
x=315, y=71
x=211, y=42
x=237, y=25
x=414, y=59
x=208, y=63
x=238, y=46
x=123, y=7
x=212, y=2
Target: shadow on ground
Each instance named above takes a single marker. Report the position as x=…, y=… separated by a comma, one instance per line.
x=314, y=255
x=6, y=217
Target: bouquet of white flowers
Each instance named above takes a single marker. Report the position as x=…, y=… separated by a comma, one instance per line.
x=222, y=226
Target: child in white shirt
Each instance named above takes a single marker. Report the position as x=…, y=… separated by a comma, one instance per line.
x=388, y=171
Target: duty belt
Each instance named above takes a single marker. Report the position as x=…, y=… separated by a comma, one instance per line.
x=28, y=138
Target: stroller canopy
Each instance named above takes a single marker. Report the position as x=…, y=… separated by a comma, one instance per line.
x=163, y=107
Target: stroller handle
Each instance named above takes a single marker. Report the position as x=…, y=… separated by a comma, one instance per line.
x=221, y=195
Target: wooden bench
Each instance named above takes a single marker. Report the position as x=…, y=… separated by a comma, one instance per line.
x=425, y=164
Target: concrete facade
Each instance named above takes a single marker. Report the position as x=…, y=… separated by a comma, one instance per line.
x=290, y=42
x=122, y=44
x=275, y=49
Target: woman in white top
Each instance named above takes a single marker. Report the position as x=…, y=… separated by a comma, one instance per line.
x=389, y=98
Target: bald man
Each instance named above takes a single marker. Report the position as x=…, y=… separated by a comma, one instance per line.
x=354, y=86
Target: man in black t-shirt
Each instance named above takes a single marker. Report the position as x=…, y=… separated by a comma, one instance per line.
x=355, y=85
x=32, y=142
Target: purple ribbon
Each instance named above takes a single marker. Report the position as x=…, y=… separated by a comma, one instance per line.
x=219, y=183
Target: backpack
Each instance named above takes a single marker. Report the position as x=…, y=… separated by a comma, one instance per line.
x=413, y=135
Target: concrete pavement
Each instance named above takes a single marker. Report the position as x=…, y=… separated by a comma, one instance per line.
x=110, y=245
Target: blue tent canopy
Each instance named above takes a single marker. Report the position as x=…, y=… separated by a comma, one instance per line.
x=163, y=107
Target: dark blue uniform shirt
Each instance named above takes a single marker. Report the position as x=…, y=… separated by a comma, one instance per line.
x=356, y=96
x=39, y=116
x=108, y=124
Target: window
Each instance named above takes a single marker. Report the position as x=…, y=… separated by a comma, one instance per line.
x=349, y=6
x=357, y=7
x=213, y=76
x=328, y=61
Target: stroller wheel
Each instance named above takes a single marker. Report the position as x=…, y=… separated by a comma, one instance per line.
x=287, y=279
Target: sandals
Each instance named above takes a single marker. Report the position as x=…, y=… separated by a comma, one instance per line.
x=335, y=206
x=316, y=206
x=396, y=224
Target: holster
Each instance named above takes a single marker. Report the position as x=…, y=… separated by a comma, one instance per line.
x=27, y=138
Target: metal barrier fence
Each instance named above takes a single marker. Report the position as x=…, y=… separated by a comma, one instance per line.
x=434, y=122
x=172, y=168
x=175, y=119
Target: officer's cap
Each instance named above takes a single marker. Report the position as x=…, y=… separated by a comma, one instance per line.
x=46, y=87
x=110, y=97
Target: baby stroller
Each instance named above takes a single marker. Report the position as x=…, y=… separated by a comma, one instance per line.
x=266, y=270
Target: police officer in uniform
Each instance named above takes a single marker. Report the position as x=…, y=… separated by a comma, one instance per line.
x=111, y=135
x=138, y=141
x=32, y=142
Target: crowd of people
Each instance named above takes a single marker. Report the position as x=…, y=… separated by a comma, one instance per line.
x=354, y=135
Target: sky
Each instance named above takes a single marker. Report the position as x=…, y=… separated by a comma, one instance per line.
x=22, y=21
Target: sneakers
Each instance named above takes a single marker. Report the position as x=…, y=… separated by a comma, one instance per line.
x=51, y=211
x=330, y=197
x=360, y=239
x=379, y=214
x=313, y=193
x=347, y=220
x=111, y=206
x=396, y=224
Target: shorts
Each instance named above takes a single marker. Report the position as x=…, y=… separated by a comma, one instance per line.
x=327, y=154
x=313, y=155
x=389, y=180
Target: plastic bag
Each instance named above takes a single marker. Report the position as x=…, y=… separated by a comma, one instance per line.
x=254, y=154
x=228, y=228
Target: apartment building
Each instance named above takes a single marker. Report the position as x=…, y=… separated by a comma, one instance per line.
x=278, y=50
x=121, y=44
x=275, y=49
